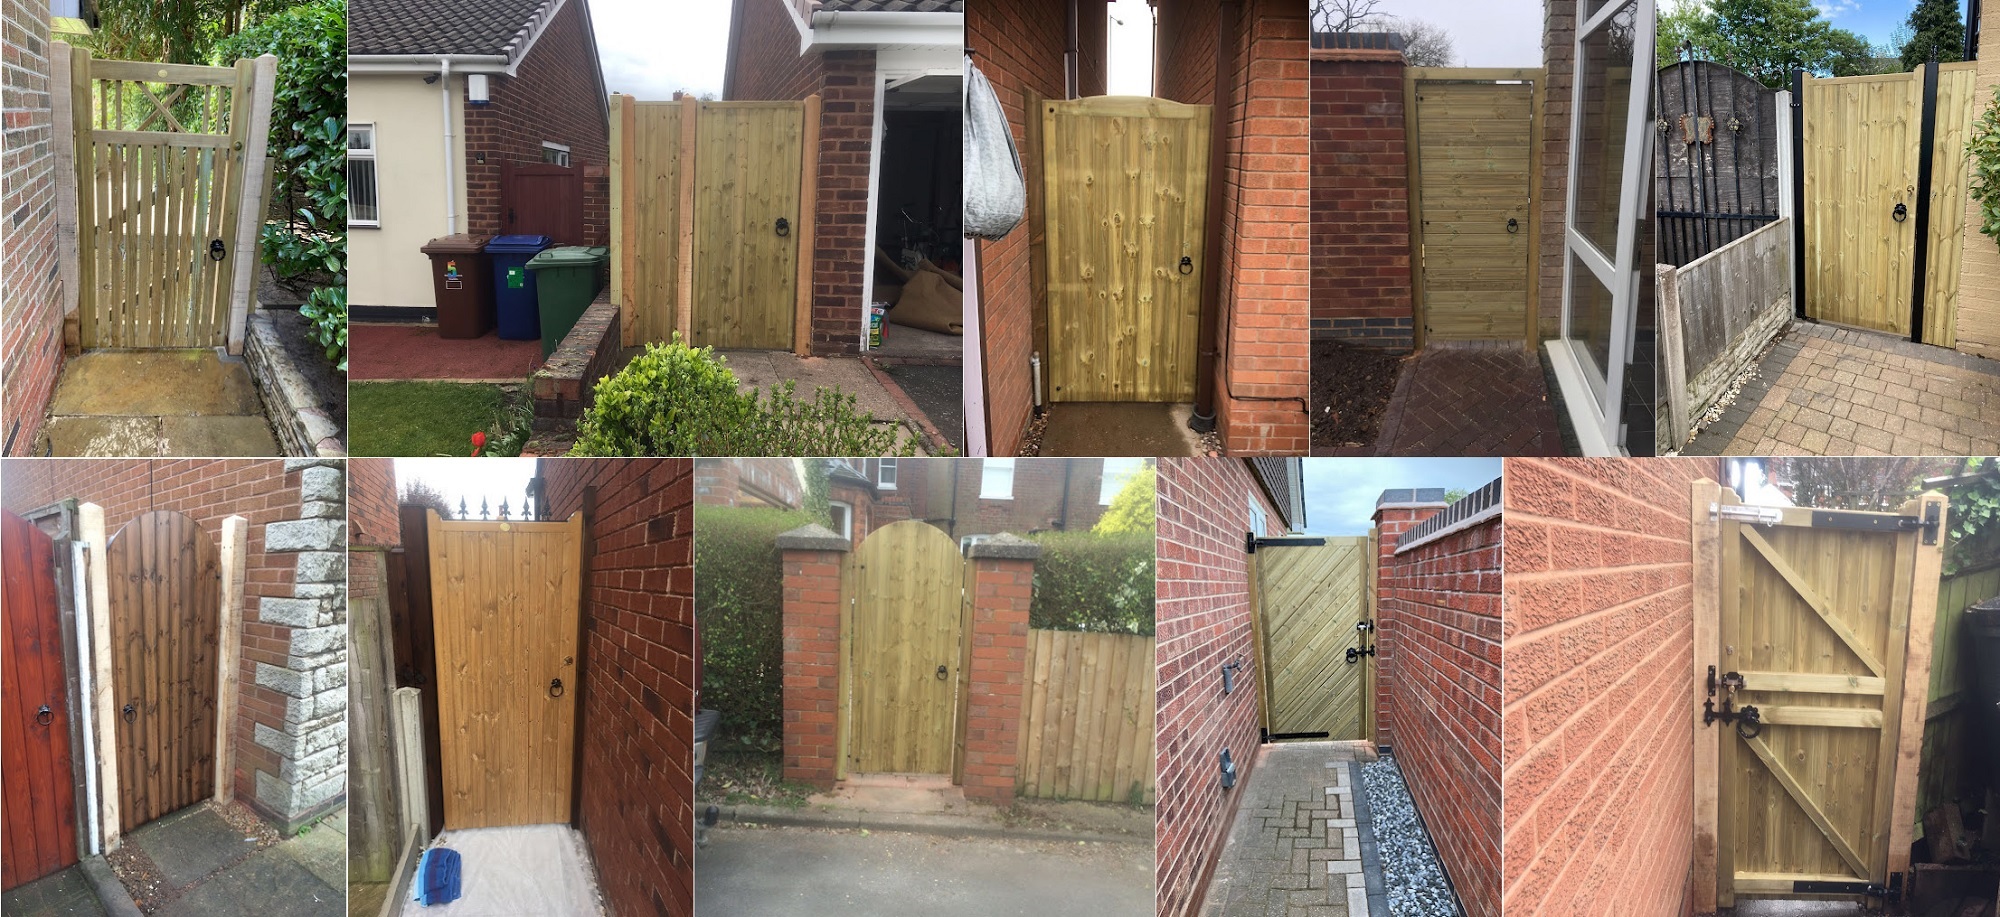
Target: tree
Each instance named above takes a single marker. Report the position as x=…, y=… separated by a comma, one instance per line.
x=1872, y=484
x=1935, y=27
x=1766, y=39
x=1342, y=15
x=1425, y=44
x=1131, y=508
x=421, y=493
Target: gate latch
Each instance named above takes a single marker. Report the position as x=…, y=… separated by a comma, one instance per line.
x=130, y=711
x=1749, y=723
x=1901, y=213
x=1513, y=225
x=555, y=687
x=216, y=250
x=941, y=672
x=1354, y=653
x=784, y=227
x=45, y=716
x=1187, y=265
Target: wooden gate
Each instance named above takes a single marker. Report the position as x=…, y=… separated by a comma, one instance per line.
x=165, y=578
x=542, y=199
x=170, y=176
x=1125, y=195
x=506, y=605
x=1823, y=625
x=1864, y=161
x=1310, y=600
x=1472, y=160
x=39, y=797
x=712, y=206
x=905, y=646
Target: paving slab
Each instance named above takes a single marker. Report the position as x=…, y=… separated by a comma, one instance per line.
x=919, y=343
x=67, y=893
x=92, y=437
x=322, y=849
x=272, y=882
x=190, y=844
x=218, y=436
x=1294, y=849
x=1119, y=428
x=758, y=369
x=135, y=383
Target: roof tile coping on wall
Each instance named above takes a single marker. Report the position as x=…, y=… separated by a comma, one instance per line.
x=1466, y=512
x=812, y=537
x=1005, y=547
x=1411, y=497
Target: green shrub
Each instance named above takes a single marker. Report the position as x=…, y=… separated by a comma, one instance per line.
x=325, y=313
x=829, y=424
x=1086, y=581
x=1983, y=148
x=739, y=594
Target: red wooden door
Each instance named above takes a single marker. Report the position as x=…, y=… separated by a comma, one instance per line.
x=39, y=796
x=542, y=199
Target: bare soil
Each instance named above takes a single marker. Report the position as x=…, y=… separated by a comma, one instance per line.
x=1351, y=386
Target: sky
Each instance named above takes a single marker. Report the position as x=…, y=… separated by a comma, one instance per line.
x=1130, y=72
x=1484, y=33
x=1341, y=492
x=1874, y=20
x=649, y=48
x=471, y=478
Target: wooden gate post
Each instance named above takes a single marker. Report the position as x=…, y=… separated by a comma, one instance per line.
x=1929, y=564
x=250, y=201
x=1002, y=587
x=1707, y=652
x=814, y=621
x=229, y=653
x=90, y=519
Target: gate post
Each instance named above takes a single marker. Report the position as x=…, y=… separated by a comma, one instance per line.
x=1001, y=586
x=811, y=621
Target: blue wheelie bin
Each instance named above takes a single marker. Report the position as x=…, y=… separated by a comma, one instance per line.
x=518, y=311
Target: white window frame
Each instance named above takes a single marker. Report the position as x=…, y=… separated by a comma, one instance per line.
x=1114, y=478
x=885, y=474
x=1593, y=394
x=988, y=489
x=372, y=154
x=561, y=151
x=846, y=520
x=1260, y=521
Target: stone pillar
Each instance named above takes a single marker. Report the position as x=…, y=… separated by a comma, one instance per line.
x=312, y=746
x=812, y=653
x=1396, y=512
x=1003, y=587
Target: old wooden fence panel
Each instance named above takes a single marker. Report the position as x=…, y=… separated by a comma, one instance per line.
x=1087, y=717
x=165, y=577
x=1825, y=616
x=506, y=602
x=1310, y=599
x=902, y=640
x=170, y=190
x=1472, y=163
x=37, y=797
x=1952, y=729
x=1125, y=194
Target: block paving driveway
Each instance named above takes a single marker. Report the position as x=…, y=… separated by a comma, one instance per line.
x=1473, y=399
x=1295, y=848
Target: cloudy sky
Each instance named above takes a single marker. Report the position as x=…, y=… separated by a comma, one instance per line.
x=652, y=47
x=1484, y=33
x=471, y=478
x=1341, y=492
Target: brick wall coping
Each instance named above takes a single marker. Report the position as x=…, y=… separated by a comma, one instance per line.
x=1472, y=509
x=1005, y=547
x=1411, y=497
x=813, y=537
x=1390, y=55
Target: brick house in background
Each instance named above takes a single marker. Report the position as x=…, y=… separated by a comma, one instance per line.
x=515, y=88
x=888, y=73
x=1260, y=367
x=31, y=313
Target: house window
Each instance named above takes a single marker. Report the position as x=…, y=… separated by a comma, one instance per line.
x=965, y=544
x=843, y=518
x=362, y=206
x=1260, y=522
x=996, y=479
x=885, y=474
x=1117, y=473
x=555, y=153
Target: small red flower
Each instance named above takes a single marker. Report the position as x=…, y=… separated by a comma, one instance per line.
x=478, y=443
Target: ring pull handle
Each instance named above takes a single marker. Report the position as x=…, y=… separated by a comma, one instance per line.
x=216, y=250
x=941, y=672
x=555, y=687
x=1901, y=213
x=784, y=227
x=45, y=716
x=1187, y=265
x=1513, y=225
x=130, y=711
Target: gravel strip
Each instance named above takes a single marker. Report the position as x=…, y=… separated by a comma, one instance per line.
x=1411, y=872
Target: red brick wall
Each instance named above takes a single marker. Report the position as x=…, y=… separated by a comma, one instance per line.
x=1360, y=199
x=812, y=665
x=556, y=97
x=371, y=503
x=1559, y=61
x=1440, y=604
x=1391, y=521
x=1203, y=622
x=1263, y=374
x=1598, y=633
x=209, y=490
x=637, y=807
x=31, y=312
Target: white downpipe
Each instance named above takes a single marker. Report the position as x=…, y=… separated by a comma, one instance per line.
x=1035, y=374
x=450, y=175
x=80, y=586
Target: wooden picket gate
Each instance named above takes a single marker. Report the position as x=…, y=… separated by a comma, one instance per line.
x=1087, y=717
x=1863, y=170
x=170, y=188
x=1312, y=596
x=904, y=652
x=1820, y=620
x=506, y=603
x=712, y=221
x=1473, y=154
x=1124, y=205
x=37, y=797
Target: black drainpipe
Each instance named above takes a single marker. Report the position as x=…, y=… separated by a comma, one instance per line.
x=1209, y=331
x=1798, y=194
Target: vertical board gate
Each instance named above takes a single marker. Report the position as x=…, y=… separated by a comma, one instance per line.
x=1310, y=601
x=506, y=606
x=903, y=630
x=165, y=577
x=1125, y=195
x=39, y=832
x=1824, y=627
x=1472, y=160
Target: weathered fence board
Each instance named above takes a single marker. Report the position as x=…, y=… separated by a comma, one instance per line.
x=1087, y=717
x=904, y=650
x=1472, y=162
x=1952, y=729
x=1716, y=315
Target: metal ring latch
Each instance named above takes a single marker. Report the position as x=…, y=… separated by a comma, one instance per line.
x=130, y=712
x=941, y=672
x=1187, y=265
x=1513, y=225
x=1902, y=213
x=555, y=687
x=216, y=250
x=784, y=227
x=45, y=716
x=1750, y=724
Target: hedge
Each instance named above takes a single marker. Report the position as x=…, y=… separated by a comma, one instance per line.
x=739, y=589
x=1086, y=581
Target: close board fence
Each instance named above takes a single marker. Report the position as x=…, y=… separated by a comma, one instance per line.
x=1087, y=717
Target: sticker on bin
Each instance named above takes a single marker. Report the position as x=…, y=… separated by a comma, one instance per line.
x=451, y=269
x=517, y=278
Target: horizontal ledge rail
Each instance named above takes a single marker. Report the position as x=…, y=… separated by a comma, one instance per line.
x=1473, y=74
x=162, y=138
x=1820, y=716
x=141, y=72
x=1804, y=683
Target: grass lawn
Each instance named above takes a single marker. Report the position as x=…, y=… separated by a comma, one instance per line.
x=424, y=418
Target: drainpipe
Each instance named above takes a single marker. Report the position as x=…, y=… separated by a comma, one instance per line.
x=450, y=180
x=1071, y=76
x=1209, y=330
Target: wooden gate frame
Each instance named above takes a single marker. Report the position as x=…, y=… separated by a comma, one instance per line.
x=624, y=201
x=1261, y=670
x=1705, y=500
x=229, y=653
x=1537, y=76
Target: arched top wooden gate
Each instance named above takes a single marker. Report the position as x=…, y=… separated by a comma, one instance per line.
x=903, y=651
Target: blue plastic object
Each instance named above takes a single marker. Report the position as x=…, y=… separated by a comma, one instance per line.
x=437, y=877
x=517, y=307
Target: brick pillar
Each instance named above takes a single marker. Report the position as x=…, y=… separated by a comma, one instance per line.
x=312, y=745
x=1003, y=587
x=1396, y=511
x=812, y=652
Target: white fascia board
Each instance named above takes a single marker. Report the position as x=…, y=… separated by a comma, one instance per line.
x=426, y=63
x=836, y=31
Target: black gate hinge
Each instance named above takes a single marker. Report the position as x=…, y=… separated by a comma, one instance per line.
x=1928, y=524
x=1252, y=542
x=1890, y=892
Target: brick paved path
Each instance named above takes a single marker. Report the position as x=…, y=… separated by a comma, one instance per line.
x=1471, y=399
x=1826, y=390
x=1294, y=849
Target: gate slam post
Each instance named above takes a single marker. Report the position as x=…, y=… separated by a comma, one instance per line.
x=814, y=728
x=1000, y=588
x=229, y=654
x=90, y=518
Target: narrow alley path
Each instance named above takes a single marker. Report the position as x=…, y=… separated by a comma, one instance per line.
x=1295, y=847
